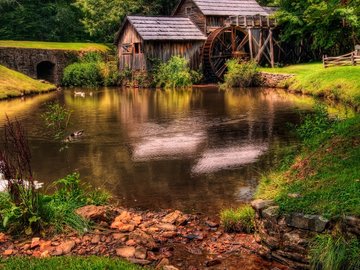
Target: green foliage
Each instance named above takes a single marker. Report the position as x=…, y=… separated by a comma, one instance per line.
x=330, y=27
x=315, y=125
x=238, y=220
x=56, y=118
x=55, y=211
x=41, y=20
x=82, y=74
x=239, y=74
x=67, y=262
x=175, y=73
x=334, y=252
x=91, y=71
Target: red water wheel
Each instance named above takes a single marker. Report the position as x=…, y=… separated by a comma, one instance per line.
x=222, y=45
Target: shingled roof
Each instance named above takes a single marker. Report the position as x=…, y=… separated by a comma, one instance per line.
x=164, y=28
x=228, y=7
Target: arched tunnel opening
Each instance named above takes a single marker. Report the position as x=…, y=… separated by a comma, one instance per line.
x=46, y=71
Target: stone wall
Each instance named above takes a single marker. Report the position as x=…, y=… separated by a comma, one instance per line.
x=27, y=60
x=286, y=238
x=274, y=79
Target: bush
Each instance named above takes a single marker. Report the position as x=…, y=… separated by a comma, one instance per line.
x=238, y=220
x=83, y=74
x=240, y=74
x=91, y=71
x=334, y=252
x=174, y=73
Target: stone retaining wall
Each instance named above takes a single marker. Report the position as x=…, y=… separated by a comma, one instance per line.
x=26, y=61
x=273, y=79
x=287, y=237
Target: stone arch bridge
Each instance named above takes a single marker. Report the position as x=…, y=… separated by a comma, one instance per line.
x=46, y=64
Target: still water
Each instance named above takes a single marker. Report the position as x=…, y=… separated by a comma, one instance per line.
x=194, y=150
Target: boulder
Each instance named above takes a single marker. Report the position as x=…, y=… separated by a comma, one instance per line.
x=261, y=204
x=125, y=252
x=96, y=213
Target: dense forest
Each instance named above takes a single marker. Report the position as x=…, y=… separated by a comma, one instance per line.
x=313, y=26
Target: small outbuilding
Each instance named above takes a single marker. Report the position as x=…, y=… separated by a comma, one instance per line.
x=143, y=39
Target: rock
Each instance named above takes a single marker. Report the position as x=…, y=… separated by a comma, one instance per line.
x=119, y=236
x=140, y=253
x=130, y=242
x=172, y=217
x=212, y=262
x=162, y=263
x=45, y=246
x=95, y=213
x=35, y=242
x=143, y=238
x=294, y=195
x=95, y=239
x=139, y=261
x=169, y=234
x=166, y=227
x=122, y=227
x=45, y=254
x=271, y=213
x=8, y=252
x=308, y=222
x=125, y=252
x=261, y=204
x=3, y=237
x=136, y=219
x=212, y=224
x=124, y=217
x=66, y=247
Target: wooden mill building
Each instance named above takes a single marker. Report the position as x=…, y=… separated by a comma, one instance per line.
x=206, y=32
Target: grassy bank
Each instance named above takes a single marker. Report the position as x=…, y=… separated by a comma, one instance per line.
x=340, y=83
x=54, y=45
x=324, y=176
x=69, y=263
x=15, y=84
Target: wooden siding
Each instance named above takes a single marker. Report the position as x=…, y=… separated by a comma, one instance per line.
x=130, y=60
x=189, y=9
x=191, y=50
x=214, y=22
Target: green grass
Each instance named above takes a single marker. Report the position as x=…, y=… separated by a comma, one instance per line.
x=66, y=263
x=14, y=84
x=238, y=220
x=340, y=83
x=54, y=45
x=325, y=174
x=334, y=252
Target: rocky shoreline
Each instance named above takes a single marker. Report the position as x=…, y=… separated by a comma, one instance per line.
x=163, y=240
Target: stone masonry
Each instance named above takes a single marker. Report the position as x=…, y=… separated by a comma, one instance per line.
x=28, y=61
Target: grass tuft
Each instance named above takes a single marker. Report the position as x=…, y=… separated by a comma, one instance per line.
x=334, y=252
x=238, y=220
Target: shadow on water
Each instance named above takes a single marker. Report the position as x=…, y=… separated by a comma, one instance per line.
x=195, y=150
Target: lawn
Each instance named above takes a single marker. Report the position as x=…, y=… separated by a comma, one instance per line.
x=14, y=84
x=340, y=83
x=54, y=45
x=324, y=175
x=67, y=263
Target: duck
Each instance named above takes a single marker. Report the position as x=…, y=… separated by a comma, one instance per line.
x=79, y=94
x=74, y=135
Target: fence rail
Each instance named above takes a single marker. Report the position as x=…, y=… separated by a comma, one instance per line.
x=350, y=59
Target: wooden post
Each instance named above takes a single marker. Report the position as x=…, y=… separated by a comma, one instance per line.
x=250, y=44
x=272, y=56
x=353, y=59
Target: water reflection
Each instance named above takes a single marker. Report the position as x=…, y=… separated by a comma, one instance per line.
x=198, y=150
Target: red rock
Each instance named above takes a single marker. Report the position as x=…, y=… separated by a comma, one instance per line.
x=139, y=261
x=95, y=239
x=3, y=237
x=170, y=267
x=169, y=234
x=166, y=227
x=125, y=252
x=122, y=227
x=124, y=217
x=119, y=236
x=35, y=242
x=130, y=242
x=171, y=218
x=67, y=246
x=45, y=254
x=8, y=252
x=94, y=213
x=45, y=245
x=140, y=253
x=212, y=262
x=142, y=237
x=162, y=263
x=25, y=247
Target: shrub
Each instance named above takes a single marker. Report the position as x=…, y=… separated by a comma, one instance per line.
x=334, y=252
x=240, y=74
x=110, y=73
x=238, y=220
x=83, y=74
x=174, y=73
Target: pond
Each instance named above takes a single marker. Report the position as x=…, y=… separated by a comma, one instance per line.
x=197, y=150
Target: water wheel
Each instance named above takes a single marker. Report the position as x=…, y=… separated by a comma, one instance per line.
x=222, y=45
